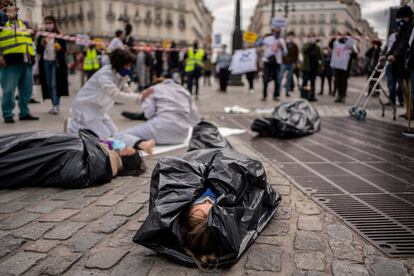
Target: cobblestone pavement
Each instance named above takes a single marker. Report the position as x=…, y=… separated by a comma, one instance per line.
x=47, y=231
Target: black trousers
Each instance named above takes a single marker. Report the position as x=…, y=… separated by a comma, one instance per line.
x=329, y=78
x=250, y=78
x=224, y=79
x=193, y=80
x=341, y=82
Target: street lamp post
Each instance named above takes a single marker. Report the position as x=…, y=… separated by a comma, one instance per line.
x=236, y=80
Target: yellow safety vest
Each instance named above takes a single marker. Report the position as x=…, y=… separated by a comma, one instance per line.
x=16, y=41
x=194, y=59
x=91, y=61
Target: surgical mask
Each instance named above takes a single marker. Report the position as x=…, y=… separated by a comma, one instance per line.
x=311, y=40
x=204, y=199
x=50, y=27
x=401, y=23
x=277, y=35
x=124, y=72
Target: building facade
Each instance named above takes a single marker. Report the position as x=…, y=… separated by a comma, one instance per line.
x=323, y=17
x=153, y=21
x=30, y=11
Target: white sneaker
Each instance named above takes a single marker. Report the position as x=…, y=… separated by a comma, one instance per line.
x=251, y=91
x=54, y=110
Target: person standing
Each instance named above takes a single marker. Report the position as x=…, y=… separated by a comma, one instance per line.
x=274, y=50
x=208, y=70
x=394, y=83
x=397, y=55
x=289, y=62
x=117, y=42
x=340, y=62
x=194, y=64
x=223, y=64
x=312, y=60
x=174, y=63
x=373, y=55
x=17, y=56
x=91, y=61
x=327, y=73
x=53, y=70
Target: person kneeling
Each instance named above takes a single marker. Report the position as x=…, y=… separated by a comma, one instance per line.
x=171, y=113
x=93, y=102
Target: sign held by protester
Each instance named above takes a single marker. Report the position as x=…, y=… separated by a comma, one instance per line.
x=279, y=23
x=250, y=37
x=217, y=41
x=244, y=61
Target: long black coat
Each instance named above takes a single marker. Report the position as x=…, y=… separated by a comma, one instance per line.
x=61, y=70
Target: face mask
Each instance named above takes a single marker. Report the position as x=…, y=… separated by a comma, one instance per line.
x=49, y=27
x=277, y=35
x=124, y=72
x=400, y=23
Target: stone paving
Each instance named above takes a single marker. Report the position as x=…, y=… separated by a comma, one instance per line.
x=48, y=231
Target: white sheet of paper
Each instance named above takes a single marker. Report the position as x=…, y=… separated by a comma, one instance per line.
x=168, y=148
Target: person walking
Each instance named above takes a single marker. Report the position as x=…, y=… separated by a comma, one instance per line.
x=53, y=70
x=326, y=73
x=312, y=60
x=343, y=48
x=91, y=61
x=194, y=64
x=395, y=84
x=17, y=56
x=289, y=62
x=174, y=63
x=274, y=49
x=223, y=64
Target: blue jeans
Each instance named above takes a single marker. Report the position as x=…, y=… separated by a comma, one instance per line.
x=271, y=73
x=392, y=83
x=289, y=68
x=50, y=78
x=12, y=77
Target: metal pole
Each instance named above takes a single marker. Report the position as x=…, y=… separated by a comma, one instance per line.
x=273, y=10
x=286, y=9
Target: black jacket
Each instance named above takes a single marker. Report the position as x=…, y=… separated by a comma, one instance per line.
x=61, y=70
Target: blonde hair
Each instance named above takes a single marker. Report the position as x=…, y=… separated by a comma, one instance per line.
x=200, y=240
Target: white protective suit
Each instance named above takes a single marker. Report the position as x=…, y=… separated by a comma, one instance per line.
x=171, y=113
x=92, y=103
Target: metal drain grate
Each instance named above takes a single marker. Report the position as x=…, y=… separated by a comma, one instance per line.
x=360, y=171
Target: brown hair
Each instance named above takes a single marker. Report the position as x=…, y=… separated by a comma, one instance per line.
x=200, y=240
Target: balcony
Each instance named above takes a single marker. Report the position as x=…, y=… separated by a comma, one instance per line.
x=169, y=23
x=293, y=22
x=334, y=21
x=124, y=18
x=148, y=20
x=182, y=24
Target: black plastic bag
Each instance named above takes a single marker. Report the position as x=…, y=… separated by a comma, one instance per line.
x=245, y=203
x=291, y=119
x=207, y=136
x=50, y=159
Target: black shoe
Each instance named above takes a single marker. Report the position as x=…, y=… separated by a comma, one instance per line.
x=276, y=99
x=9, y=120
x=340, y=100
x=313, y=100
x=29, y=117
x=134, y=116
x=33, y=101
x=288, y=95
x=320, y=93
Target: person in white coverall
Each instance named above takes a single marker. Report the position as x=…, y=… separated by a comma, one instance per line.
x=92, y=103
x=171, y=114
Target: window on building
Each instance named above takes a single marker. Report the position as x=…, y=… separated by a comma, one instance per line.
x=168, y=21
x=158, y=18
x=148, y=18
x=334, y=19
x=312, y=19
x=181, y=22
x=322, y=19
x=321, y=31
x=137, y=18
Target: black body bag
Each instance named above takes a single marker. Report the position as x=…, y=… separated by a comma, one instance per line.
x=52, y=159
x=245, y=203
x=291, y=119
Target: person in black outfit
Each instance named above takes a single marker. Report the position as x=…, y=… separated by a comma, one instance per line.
x=327, y=73
x=373, y=55
x=174, y=62
x=399, y=50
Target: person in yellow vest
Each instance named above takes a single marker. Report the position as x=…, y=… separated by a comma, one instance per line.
x=194, y=65
x=16, y=59
x=91, y=62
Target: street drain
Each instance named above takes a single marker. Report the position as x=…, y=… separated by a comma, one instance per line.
x=359, y=171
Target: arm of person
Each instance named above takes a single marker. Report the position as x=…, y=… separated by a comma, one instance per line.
x=114, y=92
x=283, y=47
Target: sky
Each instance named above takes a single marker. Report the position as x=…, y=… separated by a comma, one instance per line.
x=223, y=11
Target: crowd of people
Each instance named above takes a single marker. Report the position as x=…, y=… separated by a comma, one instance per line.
x=282, y=60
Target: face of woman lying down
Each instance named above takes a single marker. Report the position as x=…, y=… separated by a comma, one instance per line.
x=201, y=209
x=127, y=151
